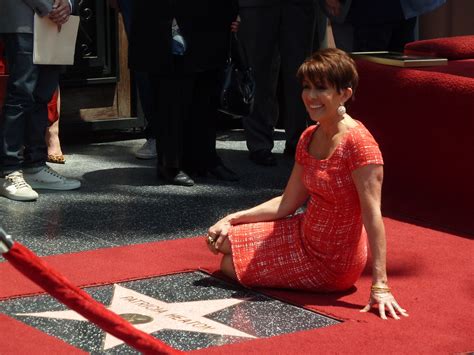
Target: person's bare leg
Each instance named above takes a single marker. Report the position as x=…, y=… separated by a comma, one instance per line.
x=55, y=154
x=52, y=139
x=227, y=265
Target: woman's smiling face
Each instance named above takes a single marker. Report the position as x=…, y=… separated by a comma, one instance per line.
x=321, y=100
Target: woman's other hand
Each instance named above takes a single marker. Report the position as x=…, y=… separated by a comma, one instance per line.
x=234, y=27
x=383, y=298
x=217, y=234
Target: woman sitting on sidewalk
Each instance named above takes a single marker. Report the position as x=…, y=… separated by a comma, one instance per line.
x=338, y=175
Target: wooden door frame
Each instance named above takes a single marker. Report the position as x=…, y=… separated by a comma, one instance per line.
x=122, y=106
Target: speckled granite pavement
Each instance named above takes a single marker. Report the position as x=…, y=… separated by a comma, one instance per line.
x=122, y=202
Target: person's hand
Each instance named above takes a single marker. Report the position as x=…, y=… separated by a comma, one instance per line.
x=217, y=234
x=60, y=12
x=114, y=4
x=234, y=27
x=383, y=298
x=333, y=7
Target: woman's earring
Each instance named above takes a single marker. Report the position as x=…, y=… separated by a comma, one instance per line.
x=341, y=110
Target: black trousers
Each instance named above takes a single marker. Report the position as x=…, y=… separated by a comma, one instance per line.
x=278, y=38
x=186, y=111
x=24, y=116
x=391, y=36
x=141, y=79
x=379, y=26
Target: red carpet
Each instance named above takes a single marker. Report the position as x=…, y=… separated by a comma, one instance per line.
x=430, y=272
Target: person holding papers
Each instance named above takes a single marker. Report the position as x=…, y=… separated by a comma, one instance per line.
x=24, y=115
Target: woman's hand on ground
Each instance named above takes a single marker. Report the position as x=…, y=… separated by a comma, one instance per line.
x=385, y=301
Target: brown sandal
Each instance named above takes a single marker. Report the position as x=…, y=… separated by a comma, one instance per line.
x=56, y=159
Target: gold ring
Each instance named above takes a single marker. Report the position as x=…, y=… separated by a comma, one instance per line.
x=211, y=240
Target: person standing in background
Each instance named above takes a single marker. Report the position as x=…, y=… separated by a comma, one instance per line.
x=148, y=149
x=55, y=154
x=278, y=36
x=373, y=25
x=24, y=116
x=191, y=39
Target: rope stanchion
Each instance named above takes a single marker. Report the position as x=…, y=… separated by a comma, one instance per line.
x=30, y=265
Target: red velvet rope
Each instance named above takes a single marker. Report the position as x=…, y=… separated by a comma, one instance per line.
x=80, y=301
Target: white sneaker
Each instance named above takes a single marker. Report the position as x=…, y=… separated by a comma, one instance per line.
x=148, y=150
x=14, y=187
x=49, y=179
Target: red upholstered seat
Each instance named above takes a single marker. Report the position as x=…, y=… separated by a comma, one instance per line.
x=423, y=119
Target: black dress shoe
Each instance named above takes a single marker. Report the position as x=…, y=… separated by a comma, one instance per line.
x=175, y=176
x=221, y=172
x=263, y=157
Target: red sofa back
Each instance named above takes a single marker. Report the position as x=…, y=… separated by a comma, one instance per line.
x=453, y=48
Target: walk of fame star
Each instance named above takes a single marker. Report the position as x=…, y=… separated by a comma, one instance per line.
x=150, y=315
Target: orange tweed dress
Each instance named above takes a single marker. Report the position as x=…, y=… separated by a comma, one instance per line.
x=325, y=247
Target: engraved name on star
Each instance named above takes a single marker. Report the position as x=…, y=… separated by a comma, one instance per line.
x=151, y=315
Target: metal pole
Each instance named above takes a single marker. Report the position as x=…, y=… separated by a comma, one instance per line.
x=6, y=241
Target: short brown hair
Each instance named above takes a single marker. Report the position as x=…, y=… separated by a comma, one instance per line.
x=330, y=66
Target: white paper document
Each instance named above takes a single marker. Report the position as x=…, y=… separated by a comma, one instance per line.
x=53, y=47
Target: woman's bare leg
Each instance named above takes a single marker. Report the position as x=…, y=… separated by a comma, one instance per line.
x=227, y=265
x=55, y=154
x=52, y=139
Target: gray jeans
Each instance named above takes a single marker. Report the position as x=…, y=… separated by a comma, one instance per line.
x=24, y=116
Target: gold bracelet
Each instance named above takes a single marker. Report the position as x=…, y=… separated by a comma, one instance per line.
x=380, y=289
